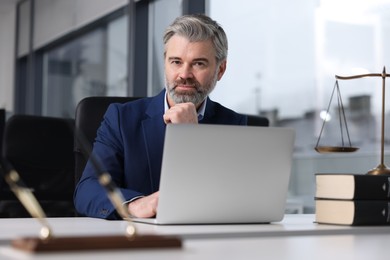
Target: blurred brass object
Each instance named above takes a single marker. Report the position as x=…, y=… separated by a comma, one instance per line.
x=117, y=200
x=29, y=201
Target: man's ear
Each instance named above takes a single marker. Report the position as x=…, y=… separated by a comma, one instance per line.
x=221, y=69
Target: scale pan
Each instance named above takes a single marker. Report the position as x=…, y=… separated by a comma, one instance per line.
x=335, y=149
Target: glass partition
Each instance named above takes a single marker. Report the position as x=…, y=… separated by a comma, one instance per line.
x=94, y=64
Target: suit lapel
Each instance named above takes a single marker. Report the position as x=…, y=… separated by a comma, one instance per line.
x=154, y=131
x=209, y=113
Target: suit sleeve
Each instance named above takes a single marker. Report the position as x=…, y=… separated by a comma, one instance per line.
x=90, y=197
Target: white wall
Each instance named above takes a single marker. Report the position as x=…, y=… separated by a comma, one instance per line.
x=7, y=39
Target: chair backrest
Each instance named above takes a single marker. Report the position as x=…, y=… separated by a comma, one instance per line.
x=257, y=120
x=88, y=117
x=2, y=125
x=41, y=150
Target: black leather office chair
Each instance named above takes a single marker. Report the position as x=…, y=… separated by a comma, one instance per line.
x=88, y=117
x=2, y=125
x=257, y=120
x=41, y=150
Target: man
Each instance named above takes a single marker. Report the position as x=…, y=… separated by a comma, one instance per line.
x=129, y=142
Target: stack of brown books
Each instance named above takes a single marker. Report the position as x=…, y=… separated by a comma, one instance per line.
x=352, y=199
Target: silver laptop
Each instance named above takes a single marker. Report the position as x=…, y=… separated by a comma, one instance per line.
x=220, y=174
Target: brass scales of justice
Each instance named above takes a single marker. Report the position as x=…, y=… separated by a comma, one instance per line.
x=381, y=169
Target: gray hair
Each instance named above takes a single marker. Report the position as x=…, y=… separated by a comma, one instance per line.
x=199, y=27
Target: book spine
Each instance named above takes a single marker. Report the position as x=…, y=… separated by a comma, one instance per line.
x=376, y=187
x=371, y=213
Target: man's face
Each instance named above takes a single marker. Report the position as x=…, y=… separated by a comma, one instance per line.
x=191, y=71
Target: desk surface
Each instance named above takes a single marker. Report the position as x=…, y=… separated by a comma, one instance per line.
x=292, y=225
x=296, y=237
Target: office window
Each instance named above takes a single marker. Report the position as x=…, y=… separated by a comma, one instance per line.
x=94, y=64
x=161, y=14
x=283, y=58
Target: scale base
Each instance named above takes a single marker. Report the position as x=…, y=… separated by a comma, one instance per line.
x=379, y=170
x=55, y=244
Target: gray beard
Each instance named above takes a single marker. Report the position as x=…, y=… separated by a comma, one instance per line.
x=196, y=98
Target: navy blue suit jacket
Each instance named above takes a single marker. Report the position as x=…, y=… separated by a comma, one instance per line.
x=129, y=144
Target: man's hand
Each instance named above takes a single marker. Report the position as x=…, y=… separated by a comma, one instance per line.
x=181, y=113
x=145, y=207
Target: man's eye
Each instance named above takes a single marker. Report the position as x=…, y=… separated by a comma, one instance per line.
x=175, y=62
x=199, y=64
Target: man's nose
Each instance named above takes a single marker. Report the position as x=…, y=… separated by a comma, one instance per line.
x=186, y=72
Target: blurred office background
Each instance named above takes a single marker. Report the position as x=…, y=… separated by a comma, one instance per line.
x=283, y=58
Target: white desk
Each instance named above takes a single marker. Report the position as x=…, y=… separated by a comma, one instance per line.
x=296, y=237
